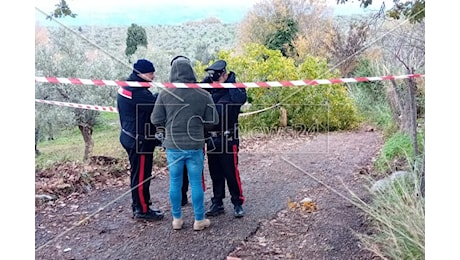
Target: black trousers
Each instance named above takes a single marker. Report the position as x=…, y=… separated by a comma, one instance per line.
x=140, y=154
x=223, y=168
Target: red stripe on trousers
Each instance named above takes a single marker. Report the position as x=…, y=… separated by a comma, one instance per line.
x=237, y=172
x=140, y=188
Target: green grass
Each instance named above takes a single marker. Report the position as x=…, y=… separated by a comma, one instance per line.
x=397, y=215
x=69, y=145
x=398, y=148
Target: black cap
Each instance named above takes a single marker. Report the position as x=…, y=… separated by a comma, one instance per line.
x=217, y=66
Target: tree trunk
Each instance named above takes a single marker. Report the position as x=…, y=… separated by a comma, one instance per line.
x=37, y=137
x=87, y=133
x=50, y=131
x=413, y=132
x=400, y=103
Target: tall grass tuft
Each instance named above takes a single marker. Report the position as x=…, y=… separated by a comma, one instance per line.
x=397, y=217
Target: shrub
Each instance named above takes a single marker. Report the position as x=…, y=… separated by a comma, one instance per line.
x=323, y=107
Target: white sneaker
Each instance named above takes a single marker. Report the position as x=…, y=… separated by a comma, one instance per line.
x=177, y=223
x=201, y=224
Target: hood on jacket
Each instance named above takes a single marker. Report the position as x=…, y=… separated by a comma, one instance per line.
x=182, y=71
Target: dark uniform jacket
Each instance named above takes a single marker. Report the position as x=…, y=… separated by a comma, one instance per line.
x=135, y=105
x=228, y=104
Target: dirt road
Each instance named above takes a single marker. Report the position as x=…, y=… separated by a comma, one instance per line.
x=273, y=171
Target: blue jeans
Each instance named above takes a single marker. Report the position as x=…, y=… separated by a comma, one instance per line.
x=193, y=160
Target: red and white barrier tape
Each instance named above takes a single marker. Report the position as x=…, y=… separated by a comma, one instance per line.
x=75, y=105
x=267, y=84
x=115, y=110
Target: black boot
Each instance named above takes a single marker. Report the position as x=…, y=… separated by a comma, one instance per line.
x=134, y=208
x=150, y=215
x=215, y=210
x=238, y=211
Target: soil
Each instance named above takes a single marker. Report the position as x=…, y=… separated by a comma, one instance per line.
x=296, y=208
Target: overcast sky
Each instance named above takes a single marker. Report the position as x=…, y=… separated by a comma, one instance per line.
x=169, y=11
x=94, y=5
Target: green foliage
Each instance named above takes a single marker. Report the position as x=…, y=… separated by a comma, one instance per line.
x=62, y=10
x=68, y=146
x=371, y=100
x=69, y=55
x=199, y=40
x=397, y=152
x=322, y=107
x=281, y=39
x=203, y=54
x=66, y=57
x=414, y=10
x=373, y=91
x=136, y=36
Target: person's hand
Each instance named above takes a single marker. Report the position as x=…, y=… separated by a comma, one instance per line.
x=160, y=136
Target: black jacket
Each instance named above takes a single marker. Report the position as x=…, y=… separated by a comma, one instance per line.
x=135, y=105
x=228, y=104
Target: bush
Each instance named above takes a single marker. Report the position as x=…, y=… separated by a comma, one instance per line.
x=321, y=107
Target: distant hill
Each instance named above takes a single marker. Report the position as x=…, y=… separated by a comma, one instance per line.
x=198, y=40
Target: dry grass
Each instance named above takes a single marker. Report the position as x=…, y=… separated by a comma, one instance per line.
x=397, y=215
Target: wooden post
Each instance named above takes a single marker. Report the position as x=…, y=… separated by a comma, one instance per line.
x=283, y=117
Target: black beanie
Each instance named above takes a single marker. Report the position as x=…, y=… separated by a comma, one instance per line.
x=143, y=66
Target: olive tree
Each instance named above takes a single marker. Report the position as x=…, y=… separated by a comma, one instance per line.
x=65, y=56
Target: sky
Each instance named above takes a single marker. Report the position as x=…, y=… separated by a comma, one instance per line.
x=145, y=12
x=157, y=12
